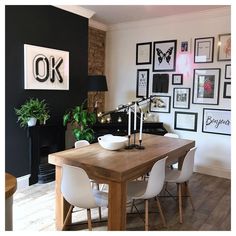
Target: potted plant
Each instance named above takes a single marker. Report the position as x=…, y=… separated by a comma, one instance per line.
x=31, y=111
x=81, y=121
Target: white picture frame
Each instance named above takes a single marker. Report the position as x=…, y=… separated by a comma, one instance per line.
x=216, y=121
x=45, y=68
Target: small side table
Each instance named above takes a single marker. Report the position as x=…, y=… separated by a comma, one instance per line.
x=10, y=188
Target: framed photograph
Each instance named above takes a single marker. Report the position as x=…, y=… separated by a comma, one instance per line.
x=228, y=71
x=164, y=55
x=143, y=53
x=160, y=83
x=184, y=46
x=227, y=90
x=224, y=47
x=161, y=104
x=216, y=121
x=142, y=83
x=186, y=121
x=45, y=68
x=206, y=86
x=177, y=79
x=203, y=50
x=181, y=98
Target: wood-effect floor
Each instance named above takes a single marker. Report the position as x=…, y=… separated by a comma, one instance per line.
x=34, y=209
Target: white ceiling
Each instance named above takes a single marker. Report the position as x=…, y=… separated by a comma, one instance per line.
x=113, y=14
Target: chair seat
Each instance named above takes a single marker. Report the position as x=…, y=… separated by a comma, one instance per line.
x=136, y=189
x=101, y=198
x=172, y=176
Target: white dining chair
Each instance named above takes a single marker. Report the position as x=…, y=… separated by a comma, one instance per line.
x=76, y=189
x=171, y=135
x=149, y=189
x=181, y=177
x=84, y=143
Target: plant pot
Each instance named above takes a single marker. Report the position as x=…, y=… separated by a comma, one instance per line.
x=32, y=121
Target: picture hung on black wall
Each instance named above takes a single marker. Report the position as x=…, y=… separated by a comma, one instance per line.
x=181, y=98
x=204, y=50
x=224, y=47
x=206, y=86
x=160, y=83
x=142, y=83
x=186, y=121
x=46, y=68
x=143, y=53
x=164, y=55
x=227, y=90
x=216, y=121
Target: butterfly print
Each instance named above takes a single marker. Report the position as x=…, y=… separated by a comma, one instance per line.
x=167, y=56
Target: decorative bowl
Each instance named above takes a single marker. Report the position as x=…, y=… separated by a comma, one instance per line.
x=112, y=142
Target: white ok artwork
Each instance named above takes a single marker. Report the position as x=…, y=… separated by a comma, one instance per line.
x=46, y=68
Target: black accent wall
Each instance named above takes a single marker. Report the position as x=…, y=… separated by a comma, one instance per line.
x=45, y=26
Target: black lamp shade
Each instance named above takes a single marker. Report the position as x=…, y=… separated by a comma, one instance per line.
x=97, y=83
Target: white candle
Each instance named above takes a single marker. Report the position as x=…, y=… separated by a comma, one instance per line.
x=129, y=121
x=141, y=126
x=135, y=116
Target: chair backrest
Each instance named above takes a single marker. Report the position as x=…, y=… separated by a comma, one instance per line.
x=171, y=135
x=156, y=179
x=81, y=143
x=76, y=187
x=187, y=167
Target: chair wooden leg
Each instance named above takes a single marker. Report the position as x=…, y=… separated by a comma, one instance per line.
x=161, y=212
x=132, y=206
x=89, y=219
x=180, y=203
x=146, y=215
x=99, y=208
x=189, y=194
x=67, y=217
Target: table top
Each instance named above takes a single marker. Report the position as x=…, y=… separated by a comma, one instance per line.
x=123, y=164
x=10, y=185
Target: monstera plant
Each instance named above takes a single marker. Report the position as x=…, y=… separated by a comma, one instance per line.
x=81, y=121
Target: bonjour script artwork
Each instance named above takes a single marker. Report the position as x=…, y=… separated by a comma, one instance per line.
x=217, y=121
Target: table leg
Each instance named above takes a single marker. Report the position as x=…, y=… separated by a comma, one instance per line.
x=117, y=206
x=62, y=206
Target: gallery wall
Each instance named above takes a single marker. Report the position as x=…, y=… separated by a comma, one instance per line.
x=50, y=27
x=214, y=151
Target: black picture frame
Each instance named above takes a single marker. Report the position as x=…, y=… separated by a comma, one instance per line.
x=164, y=55
x=216, y=121
x=142, y=87
x=161, y=105
x=177, y=79
x=181, y=98
x=227, y=90
x=228, y=71
x=204, y=50
x=206, y=86
x=186, y=121
x=143, y=53
x=224, y=47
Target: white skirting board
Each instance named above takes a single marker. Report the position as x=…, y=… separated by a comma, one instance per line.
x=214, y=171
x=23, y=182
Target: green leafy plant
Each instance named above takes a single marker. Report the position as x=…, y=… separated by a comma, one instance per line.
x=81, y=121
x=32, y=108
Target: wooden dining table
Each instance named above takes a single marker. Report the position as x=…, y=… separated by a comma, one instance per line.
x=116, y=168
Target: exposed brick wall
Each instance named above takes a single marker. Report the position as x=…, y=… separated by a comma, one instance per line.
x=96, y=64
